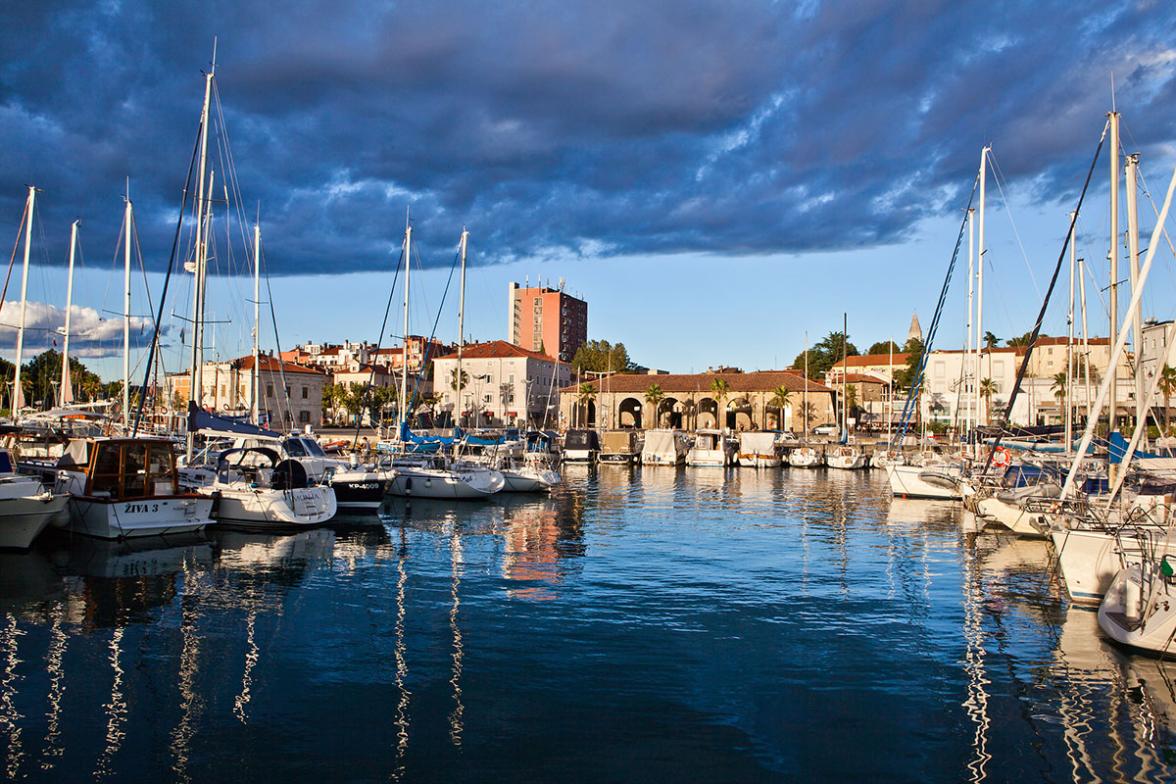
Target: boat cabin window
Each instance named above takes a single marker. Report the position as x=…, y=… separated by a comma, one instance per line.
x=5, y=462
x=135, y=469
x=294, y=447
x=76, y=455
x=312, y=448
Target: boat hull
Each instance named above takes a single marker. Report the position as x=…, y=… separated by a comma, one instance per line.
x=23, y=519
x=1120, y=616
x=432, y=483
x=920, y=482
x=1089, y=560
x=269, y=508
x=1030, y=525
x=359, y=492
x=104, y=518
x=760, y=461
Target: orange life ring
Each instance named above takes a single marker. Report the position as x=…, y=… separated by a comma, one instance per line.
x=1001, y=457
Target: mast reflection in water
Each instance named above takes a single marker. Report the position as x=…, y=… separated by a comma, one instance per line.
x=661, y=624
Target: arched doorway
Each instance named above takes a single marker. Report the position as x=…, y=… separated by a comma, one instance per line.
x=739, y=415
x=670, y=413
x=707, y=416
x=629, y=413
x=590, y=414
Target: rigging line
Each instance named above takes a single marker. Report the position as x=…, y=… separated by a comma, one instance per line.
x=914, y=393
x=432, y=335
x=997, y=177
x=171, y=263
x=232, y=166
x=142, y=268
x=1045, y=303
x=380, y=341
x=269, y=292
x=12, y=260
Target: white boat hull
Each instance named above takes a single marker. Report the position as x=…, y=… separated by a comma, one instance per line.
x=269, y=508
x=525, y=480
x=107, y=519
x=1013, y=516
x=846, y=462
x=23, y=519
x=804, y=457
x=1120, y=616
x=579, y=455
x=1089, y=560
x=441, y=483
x=760, y=461
x=713, y=458
x=922, y=482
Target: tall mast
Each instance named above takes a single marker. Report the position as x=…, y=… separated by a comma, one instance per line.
x=465, y=236
x=128, y=218
x=890, y=392
x=969, y=410
x=982, y=412
x=66, y=382
x=845, y=375
x=17, y=393
x=254, y=387
x=1068, y=415
x=1137, y=315
x=195, y=378
x=1085, y=335
x=804, y=400
x=1114, y=256
x=404, y=356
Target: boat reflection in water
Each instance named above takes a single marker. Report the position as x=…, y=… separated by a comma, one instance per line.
x=714, y=607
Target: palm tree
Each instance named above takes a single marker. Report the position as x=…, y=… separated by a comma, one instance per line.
x=654, y=396
x=1059, y=387
x=586, y=393
x=465, y=380
x=990, y=340
x=689, y=406
x=1167, y=389
x=720, y=389
x=987, y=390
x=781, y=397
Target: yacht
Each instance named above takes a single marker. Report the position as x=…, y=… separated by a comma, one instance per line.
x=760, y=449
x=620, y=446
x=664, y=447
x=711, y=448
x=256, y=488
x=124, y=487
x=26, y=506
x=581, y=446
x=434, y=476
x=805, y=457
x=846, y=457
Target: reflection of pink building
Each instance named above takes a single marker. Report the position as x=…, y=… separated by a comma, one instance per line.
x=531, y=554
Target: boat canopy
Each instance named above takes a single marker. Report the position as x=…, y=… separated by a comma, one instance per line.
x=202, y=421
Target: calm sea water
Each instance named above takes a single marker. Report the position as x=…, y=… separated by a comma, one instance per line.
x=656, y=625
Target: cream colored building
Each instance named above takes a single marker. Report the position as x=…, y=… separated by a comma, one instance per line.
x=620, y=401
x=290, y=394
x=504, y=385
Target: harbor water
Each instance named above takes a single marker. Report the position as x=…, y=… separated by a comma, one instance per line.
x=653, y=624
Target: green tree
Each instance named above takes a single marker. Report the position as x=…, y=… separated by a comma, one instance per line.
x=906, y=377
x=991, y=340
x=781, y=397
x=600, y=356
x=825, y=354
x=721, y=390
x=987, y=389
x=653, y=397
x=1059, y=387
x=465, y=380
x=1018, y=342
x=1167, y=389
x=884, y=347
x=851, y=399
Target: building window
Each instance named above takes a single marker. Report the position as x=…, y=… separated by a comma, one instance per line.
x=304, y=417
x=305, y=392
x=269, y=390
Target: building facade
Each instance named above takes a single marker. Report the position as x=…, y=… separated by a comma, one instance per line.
x=546, y=320
x=504, y=384
x=291, y=395
x=686, y=401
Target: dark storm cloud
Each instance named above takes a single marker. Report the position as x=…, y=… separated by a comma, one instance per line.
x=567, y=128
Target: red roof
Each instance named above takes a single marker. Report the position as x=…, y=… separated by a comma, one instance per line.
x=497, y=349
x=864, y=360
x=861, y=378
x=274, y=365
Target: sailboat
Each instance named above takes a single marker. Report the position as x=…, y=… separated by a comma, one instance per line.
x=432, y=474
x=845, y=456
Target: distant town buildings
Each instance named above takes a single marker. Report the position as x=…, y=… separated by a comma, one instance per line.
x=346, y=356
x=546, y=320
x=504, y=384
x=290, y=394
x=686, y=401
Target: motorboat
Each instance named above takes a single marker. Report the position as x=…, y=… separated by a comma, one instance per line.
x=805, y=457
x=935, y=481
x=581, y=446
x=620, y=446
x=26, y=506
x=124, y=487
x=711, y=448
x=664, y=447
x=884, y=458
x=256, y=488
x=1139, y=608
x=846, y=457
x=434, y=476
x=760, y=449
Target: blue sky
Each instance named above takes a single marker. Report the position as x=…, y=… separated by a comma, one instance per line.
x=715, y=178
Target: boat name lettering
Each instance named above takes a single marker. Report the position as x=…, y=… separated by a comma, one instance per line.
x=140, y=508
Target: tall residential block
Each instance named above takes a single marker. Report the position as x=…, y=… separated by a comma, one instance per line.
x=547, y=320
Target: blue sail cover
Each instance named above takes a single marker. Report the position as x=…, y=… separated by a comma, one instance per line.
x=202, y=420
x=1117, y=449
x=408, y=437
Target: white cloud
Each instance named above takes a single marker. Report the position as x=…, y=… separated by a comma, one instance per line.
x=92, y=334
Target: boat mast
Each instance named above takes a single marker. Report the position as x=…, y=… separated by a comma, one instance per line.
x=804, y=400
x=17, y=393
x=195, y=377
x=1085, y=334
x=982, y=412
x=66, y=381
x=1114, y=256
x=254, y=388
x=128, y=219
x=845, y=376
x=404, y=355
x=1068, y=415
x=465, y=236
x=969, y=410
x=1137, y=316
x=890, y=393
